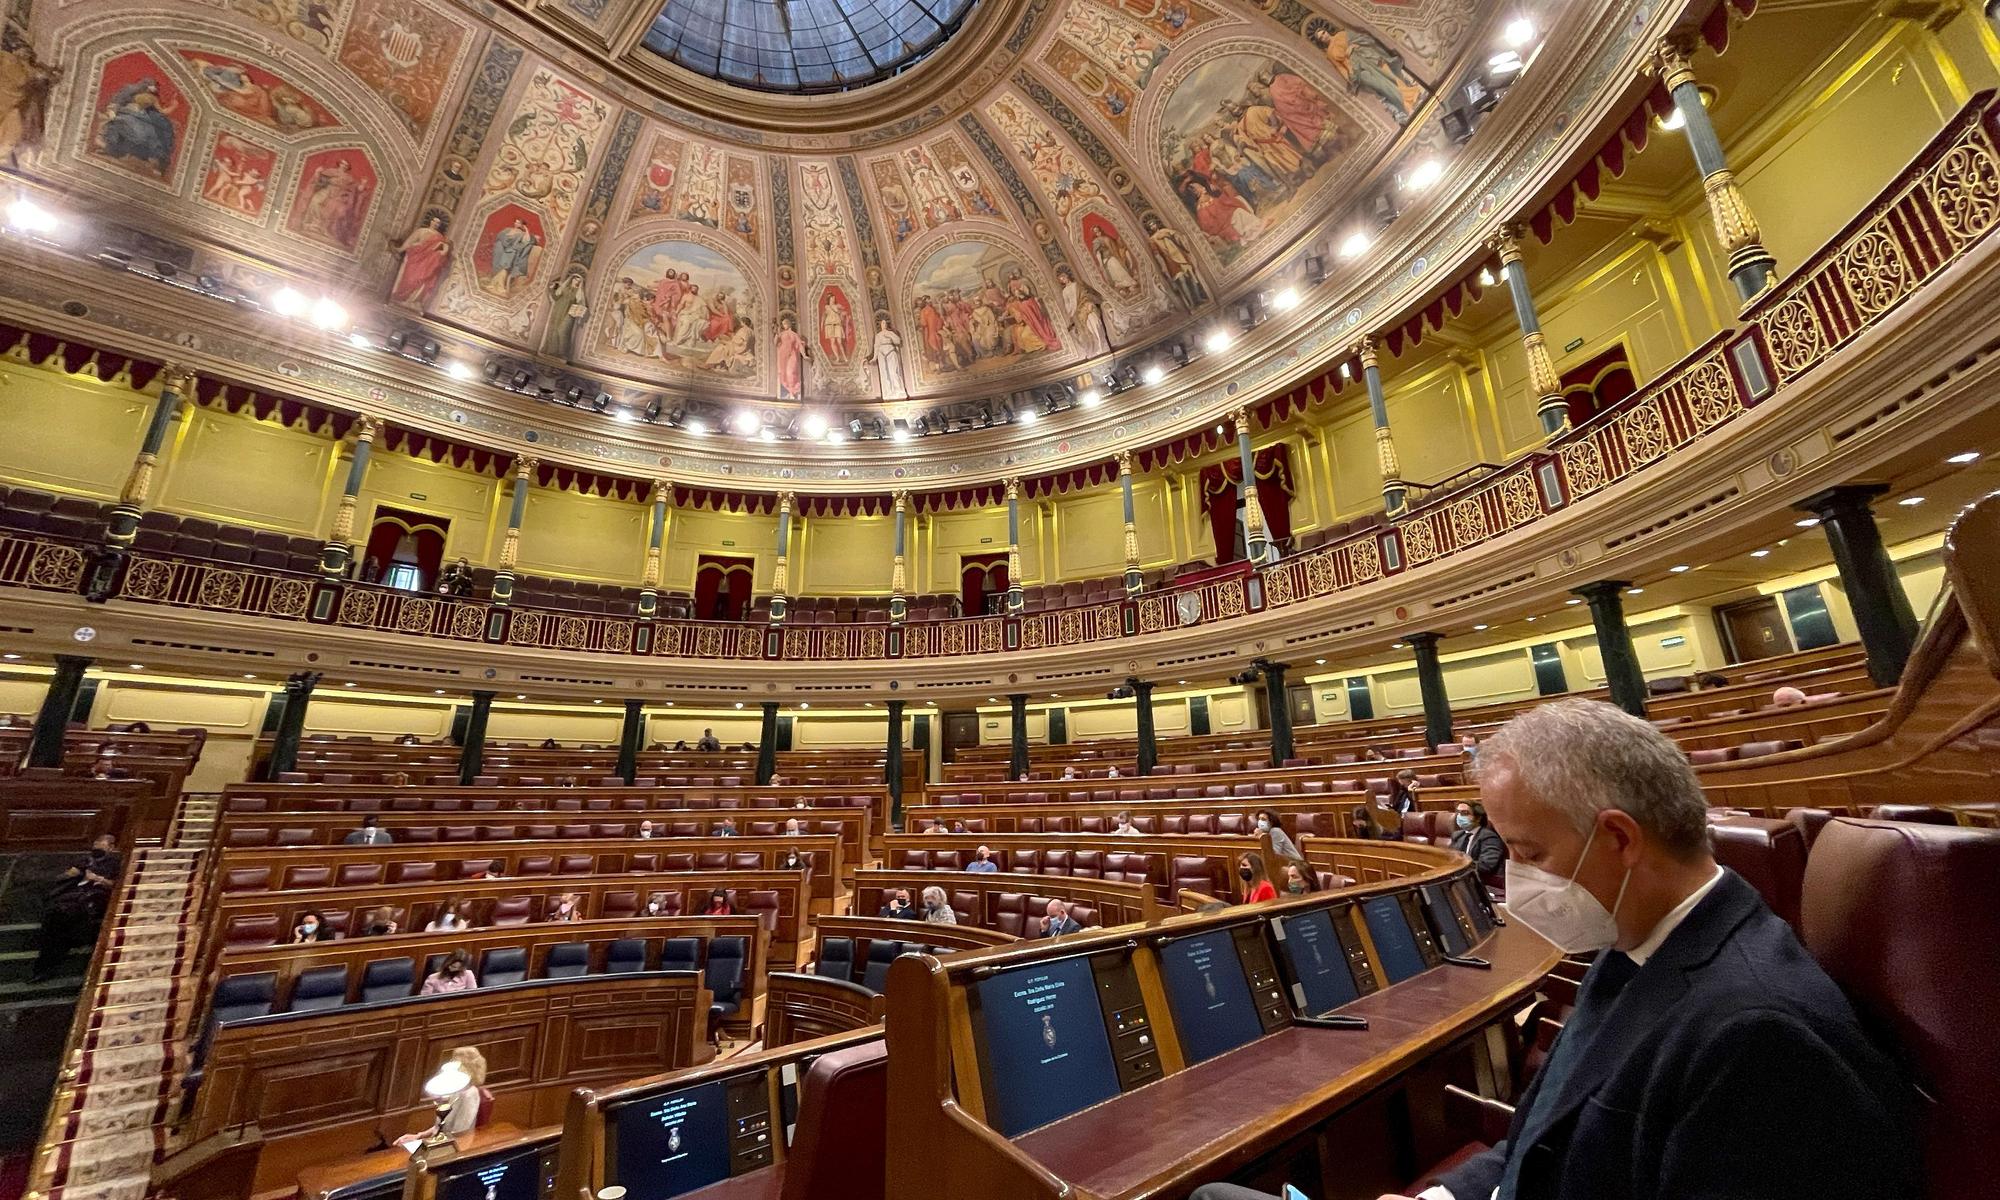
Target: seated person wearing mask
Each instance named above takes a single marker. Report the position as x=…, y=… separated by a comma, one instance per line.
x=982, y=861
x=1281, y=842
x=936, y=911
x=1058, y=921
x=726, y=829
x=1702, y=1018
x=898, y=907
x=1125, y=828
x=1475, y=838
x=370, y=834
x=453, y=976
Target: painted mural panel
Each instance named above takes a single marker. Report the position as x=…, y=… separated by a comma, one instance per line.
x=975, y=309
x=308, y=21
x=335, y=193
x=239, y=175
x=547, y=146
x=406, y=52
x=658, y=174
x=927, y=187
x=140, y=120
x=1244, y=137
x=507, y=252
x=256, y=95
x=683, y=305
x=1110, y=52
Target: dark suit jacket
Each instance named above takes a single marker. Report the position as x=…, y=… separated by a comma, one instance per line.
x=1064, y=929
x=1730, y=1066
x=1483, y=846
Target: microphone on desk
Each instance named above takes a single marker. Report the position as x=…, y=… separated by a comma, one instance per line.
x=1467, y=960
x=1334, y=1022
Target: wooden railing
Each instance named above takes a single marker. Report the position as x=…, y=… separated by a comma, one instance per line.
x=1944, y=203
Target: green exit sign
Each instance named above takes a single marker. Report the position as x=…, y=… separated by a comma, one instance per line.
x=418, y=496
x=727, y=542
x=1575, y=345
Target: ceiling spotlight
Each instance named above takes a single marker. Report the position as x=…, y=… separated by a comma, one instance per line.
x=1478, y=628
x=1286, y=300
x=1354, y=245
x=458, y=370
x=429, y=350
x=1486, y=277
x=1910, y=501
x=1180, y=352
x=1153, y=373
x=1317, y=662
x=1315, y=268
x=1760, y=554
x=1959, y=460
x=327, y=314
x=1090, y=397
x=350, y=684
x=1503, y=64
x=695, y=425
x=10, y=656
x=1217, y=341
x=27, y=216
x=1534, y=618
x=359, y=341
x=1346, y=371
x=138, y=666
x=624, y=414
x=747, y=422
x=1027, y=415
x=1573, y=603
x=835, y=437
x=1679, y=569
x=767, y=434
x=739, y=704
x=288, y=302
x=812, y=426
x=1806, y=522
x=1423, y=175
x=899, y=431
x=1639, y=591
x=1518, y=33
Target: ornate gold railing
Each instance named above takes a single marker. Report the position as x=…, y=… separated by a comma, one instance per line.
x=1944, y=203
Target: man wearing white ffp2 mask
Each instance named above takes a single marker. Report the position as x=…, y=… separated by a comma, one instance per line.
x=1702, y=1017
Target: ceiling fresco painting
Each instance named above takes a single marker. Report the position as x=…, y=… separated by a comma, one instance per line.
x=1126, y=165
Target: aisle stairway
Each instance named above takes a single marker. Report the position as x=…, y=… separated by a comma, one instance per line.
x=106, y=1126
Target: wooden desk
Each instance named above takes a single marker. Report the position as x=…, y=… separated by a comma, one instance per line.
x=1217, y=1116
x=319, y=1182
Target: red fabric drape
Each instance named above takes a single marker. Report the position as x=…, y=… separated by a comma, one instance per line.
x=722, y=587
x=427, y=533
x=1273, y=467
x=980, y=576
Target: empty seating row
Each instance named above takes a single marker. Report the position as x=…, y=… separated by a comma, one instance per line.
x=837, y=960
x=1272, y=789
x=1747, y=750
x=246, y=836
x=262, y=878
x=71, y=518
x=409, y=802
x=211, y=541
x=257, y=929
x=384, y=980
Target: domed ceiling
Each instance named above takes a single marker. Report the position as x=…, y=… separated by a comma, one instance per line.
x=1004, y=191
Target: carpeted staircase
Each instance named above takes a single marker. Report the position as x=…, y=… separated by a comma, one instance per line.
x=105, y=1127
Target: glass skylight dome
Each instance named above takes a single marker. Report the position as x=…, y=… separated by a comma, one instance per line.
x=802, y=45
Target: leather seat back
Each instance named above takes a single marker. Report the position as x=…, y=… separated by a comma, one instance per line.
x=1922, y=814
x=503, y=964
x=388, y=979
x=836, y=959
x=319, y=988
x=1769, y=855
x=839, y=1151
x=1906, y=918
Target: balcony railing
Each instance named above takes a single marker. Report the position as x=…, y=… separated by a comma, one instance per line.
x=1945, y=202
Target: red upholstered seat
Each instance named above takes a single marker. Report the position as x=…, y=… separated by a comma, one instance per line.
x=1010, y=913
x=1057, y=862
x=915, y=860
x=1088, y=863
x=620, y=904
x=1921, y=814
x=358, y=874
x=1193, y=872
x=1769, y=855
x=680, y=862
x=1906, y=918
x=247, y=879
x=745, y=860
x=512, y=910
x=413, y=872
x=1021, y=862
x=257, y=929
x=536, y=864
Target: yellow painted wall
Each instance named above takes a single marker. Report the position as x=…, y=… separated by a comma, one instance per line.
x=955, y=535
x=68, y=433
x=848, y=556
x=232, y=716
x=21, y=694
x=583, y=537
x=465, y=499
x=239, y=470
x=692, y=533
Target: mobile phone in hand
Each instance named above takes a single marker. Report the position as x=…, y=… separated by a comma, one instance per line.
x=1292, y=1193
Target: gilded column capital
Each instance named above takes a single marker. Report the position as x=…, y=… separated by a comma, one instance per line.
x=902, y=499
x=785, y=502
x=1366, y=349
x=663, y=492
x=367, y=429
x=524, y=468
x=1013, y=489
x=1241, y=418
x=1673, y=60
x=1125, y=462
x=1506, y=242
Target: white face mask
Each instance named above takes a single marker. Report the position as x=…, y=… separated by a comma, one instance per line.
x=1563, y=910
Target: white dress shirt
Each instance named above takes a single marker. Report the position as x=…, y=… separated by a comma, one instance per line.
x=1638, y=954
